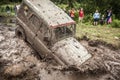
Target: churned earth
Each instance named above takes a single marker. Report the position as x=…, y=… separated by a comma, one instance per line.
x=18, y=61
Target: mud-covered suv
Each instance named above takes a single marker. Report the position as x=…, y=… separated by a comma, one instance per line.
x=50, y=31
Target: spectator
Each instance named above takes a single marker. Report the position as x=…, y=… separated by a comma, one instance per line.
x=15, y=9
x=102, y=20
x=106, y=14
x=109, y=18
x=81, y=14
x=72, y=13
x=8, y=10
x=96, y=17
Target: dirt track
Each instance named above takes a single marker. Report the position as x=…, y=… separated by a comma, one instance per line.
x=19, y=62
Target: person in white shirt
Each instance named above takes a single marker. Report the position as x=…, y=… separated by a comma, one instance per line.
x=96, y=17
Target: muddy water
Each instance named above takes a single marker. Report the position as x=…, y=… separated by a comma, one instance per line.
x=73, y=76
x=18, y=62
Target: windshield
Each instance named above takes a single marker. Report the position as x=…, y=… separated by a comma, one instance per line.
x=65, y=31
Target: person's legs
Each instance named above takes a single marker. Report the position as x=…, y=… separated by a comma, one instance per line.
x=80, y=20
x=95, y=22
x=110, y=20
x=101, y=22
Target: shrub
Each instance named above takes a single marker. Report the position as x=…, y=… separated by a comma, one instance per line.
x=76, y=16
x=116, y=23
x=2, y=9
x=88, y=18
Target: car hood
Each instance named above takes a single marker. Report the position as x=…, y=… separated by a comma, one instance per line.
x=71, y=52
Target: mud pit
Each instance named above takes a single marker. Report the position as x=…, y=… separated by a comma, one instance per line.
x=19, y=62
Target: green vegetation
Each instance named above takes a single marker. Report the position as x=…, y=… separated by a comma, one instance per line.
x=3, y=10
x=116, y=23
x=9, y=1
x=104, y=33
x=91, y=5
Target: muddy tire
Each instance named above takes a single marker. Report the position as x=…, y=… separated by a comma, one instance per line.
x=20, y=33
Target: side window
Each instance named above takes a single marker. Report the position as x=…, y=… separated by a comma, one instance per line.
x=34, y=20
x=24, y=12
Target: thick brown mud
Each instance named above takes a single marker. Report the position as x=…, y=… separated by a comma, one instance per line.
x=20, y=62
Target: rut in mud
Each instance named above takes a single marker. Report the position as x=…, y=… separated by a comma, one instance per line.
x=19, y=62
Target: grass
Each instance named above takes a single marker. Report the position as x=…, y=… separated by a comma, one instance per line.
x=104, y=33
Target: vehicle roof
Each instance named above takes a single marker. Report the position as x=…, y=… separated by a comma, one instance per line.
x=49, y=12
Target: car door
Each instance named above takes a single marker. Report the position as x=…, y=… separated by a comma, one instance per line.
x=34, y=26
x=26, y=18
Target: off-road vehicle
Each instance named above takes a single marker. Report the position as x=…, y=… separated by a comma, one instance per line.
x=50, y=31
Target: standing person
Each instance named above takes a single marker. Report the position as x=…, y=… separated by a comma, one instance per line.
x=72, y=13
x=81, y=14
x=102, y=20
x=8, y=10
x=96, y=17
x=15, y=9
x=106, y=14
x=109, y=19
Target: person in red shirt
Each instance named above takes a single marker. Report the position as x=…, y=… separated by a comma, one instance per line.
x=81, y=14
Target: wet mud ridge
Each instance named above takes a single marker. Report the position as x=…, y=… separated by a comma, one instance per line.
x=19, y=62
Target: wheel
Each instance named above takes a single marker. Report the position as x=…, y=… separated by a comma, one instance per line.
x=20, y=33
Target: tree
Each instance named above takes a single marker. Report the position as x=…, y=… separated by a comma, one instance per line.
x=8, y=1
x=69, y=2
